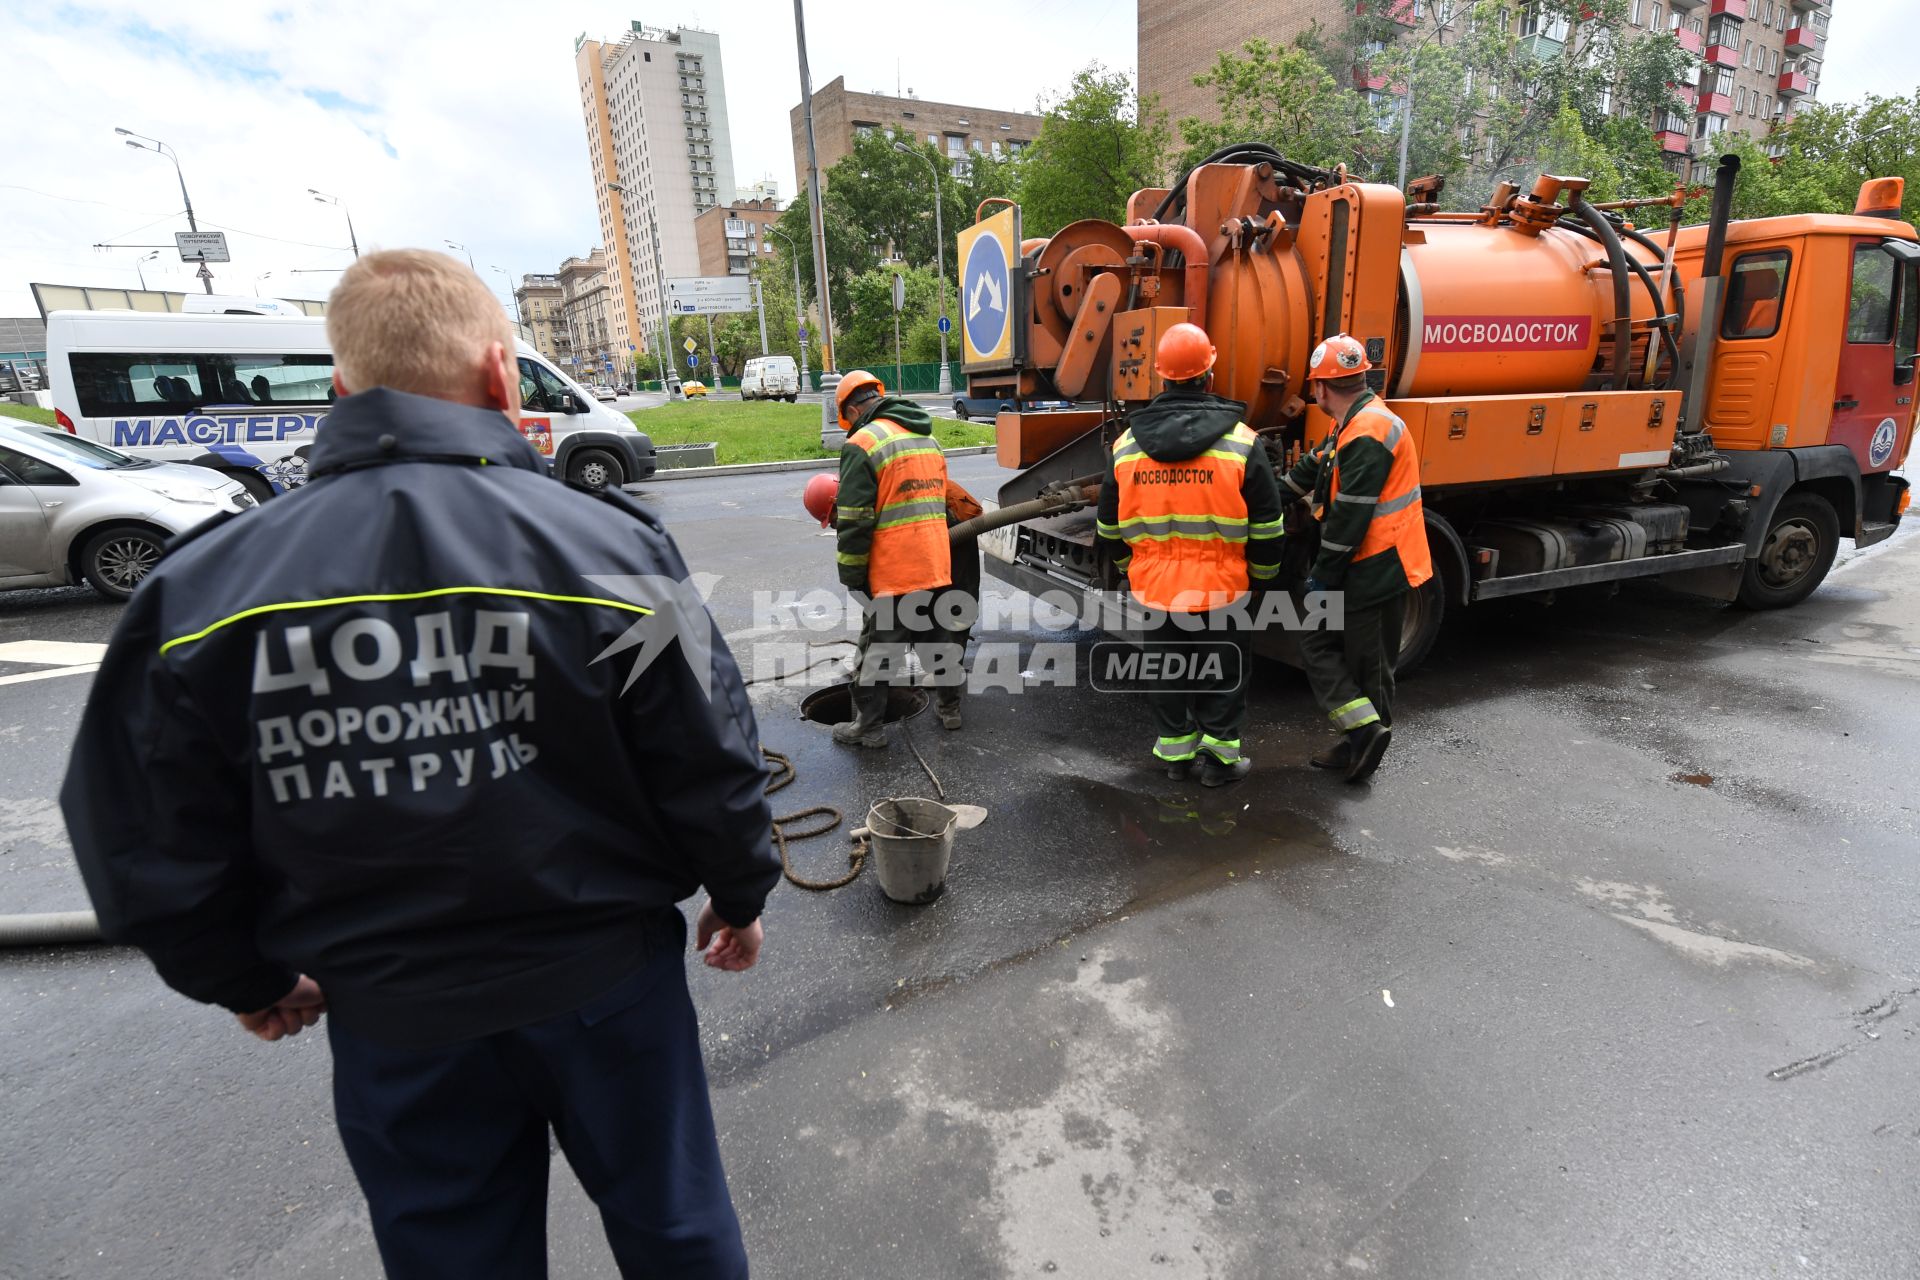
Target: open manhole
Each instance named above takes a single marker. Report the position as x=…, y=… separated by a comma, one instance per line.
x=834, y=704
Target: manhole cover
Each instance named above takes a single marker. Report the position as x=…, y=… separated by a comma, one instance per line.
x=834, y=704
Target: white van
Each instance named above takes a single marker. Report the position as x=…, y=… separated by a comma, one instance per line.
x=770, y=378
x=244, y=394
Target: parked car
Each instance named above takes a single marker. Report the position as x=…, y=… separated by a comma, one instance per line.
x=604, y=392
x=770, y=378
x=967, y=408
x=72, y=510
x=693, y=390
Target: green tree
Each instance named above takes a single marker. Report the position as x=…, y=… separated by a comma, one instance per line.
x=1098, y=144
x=1284, y=96
x=1825, y=153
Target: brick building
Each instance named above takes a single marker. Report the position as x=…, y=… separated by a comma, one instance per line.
x=841, y=115
x=732, y=236
x=1759, y=58
x=587, y=315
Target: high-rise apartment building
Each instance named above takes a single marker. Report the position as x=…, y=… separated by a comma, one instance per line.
x=1760, y=59
x=655, y=106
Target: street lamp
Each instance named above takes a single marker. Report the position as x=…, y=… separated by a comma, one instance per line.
x=144, y=258
x=940, y=255
x=510, y=292
x=462, y=248
x=323, y=198
x=799, y=311
x=140, y=142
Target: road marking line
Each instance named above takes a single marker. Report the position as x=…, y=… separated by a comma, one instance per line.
x=52, y=653
x=25, y=676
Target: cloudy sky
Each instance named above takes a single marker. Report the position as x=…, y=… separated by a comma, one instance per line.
x=438, y=121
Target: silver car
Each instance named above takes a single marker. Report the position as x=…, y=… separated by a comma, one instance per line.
x=71, y=509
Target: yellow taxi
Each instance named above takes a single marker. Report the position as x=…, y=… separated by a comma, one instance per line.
x=694, y=390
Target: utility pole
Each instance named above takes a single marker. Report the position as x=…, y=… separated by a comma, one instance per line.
x=140, y=142
x=713, y=353
x=830, y=432
x=799, y=304
x=323, y=198
x=760, y=304
x=940, y=261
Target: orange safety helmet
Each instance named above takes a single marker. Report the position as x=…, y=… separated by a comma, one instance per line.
x=1184, y=352
x=821, y=493
x=849, y=384
x=1338, y=357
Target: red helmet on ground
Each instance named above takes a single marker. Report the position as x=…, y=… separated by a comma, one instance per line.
x=1184, y=352
x=1338, y=357
x=851, y=383
x=821, y=493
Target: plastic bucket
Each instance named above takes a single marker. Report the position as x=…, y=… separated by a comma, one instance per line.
x=912, y=844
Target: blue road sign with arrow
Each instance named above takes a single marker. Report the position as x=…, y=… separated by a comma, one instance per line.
x=693, y=361
x=946, y=325
x=985, y=288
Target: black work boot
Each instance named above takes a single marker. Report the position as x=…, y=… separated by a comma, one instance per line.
x=1177, y=769
x=1217, y=773
x=1339, y=756
x=946, y=704
x=868, y=728
x=1365, y=747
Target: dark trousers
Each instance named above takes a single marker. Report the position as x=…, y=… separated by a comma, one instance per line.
x=1351, y=671
x=450, y=1143
x=1204, y=712
x=916, y=623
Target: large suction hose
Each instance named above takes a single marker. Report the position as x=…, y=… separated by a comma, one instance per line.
x=52, y=929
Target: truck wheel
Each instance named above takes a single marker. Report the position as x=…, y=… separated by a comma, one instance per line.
x=960, y=410
x=115, y=560
x=1420, y=628
x=594, y=469
x=1801, y=542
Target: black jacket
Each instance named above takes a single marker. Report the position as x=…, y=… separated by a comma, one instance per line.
x=365, y=732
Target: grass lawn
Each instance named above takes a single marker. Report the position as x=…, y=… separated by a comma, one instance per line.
x=42, y=416
x=760, y=432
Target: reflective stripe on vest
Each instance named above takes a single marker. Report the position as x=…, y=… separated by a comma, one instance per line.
x=1399, y=522
x=1184, y=522
x=910, y=546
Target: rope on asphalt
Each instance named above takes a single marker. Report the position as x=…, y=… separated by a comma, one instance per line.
x=782, y=775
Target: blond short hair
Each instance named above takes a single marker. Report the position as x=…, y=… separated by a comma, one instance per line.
x=413, y=320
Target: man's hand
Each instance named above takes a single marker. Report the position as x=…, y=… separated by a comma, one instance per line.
x=291, y=1014
x=724, y=946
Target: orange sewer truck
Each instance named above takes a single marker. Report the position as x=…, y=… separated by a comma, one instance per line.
x=1597, y=392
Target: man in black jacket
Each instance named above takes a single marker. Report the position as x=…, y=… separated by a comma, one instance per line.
x=359, y=752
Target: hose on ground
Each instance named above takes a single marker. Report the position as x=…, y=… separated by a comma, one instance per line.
x=55, y=928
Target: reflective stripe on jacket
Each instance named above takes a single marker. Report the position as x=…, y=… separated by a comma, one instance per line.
x=1372, y=509
x=910, y=547
x=1184, y=523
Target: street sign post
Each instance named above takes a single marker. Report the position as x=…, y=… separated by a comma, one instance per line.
x=988, y=250
x=688, y=346
x=693, y=361
x=899, y=301
x=202, y=246
x=709, y=295
x=946, y=325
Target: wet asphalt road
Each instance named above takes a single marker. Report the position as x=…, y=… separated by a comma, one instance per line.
x=1613, y=971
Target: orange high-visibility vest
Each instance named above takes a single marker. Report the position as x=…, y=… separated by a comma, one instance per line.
x=910, y=547
x=1185, y=523
x=1399, y=522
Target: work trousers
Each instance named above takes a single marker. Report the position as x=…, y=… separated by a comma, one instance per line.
x=1204, y=712
x=1351, y=671
x=933, y=624
x=450, y=1143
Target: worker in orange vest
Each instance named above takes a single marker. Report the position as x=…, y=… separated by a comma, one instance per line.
x=1364, y=482
x=893, y=552
x=1190, y=511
